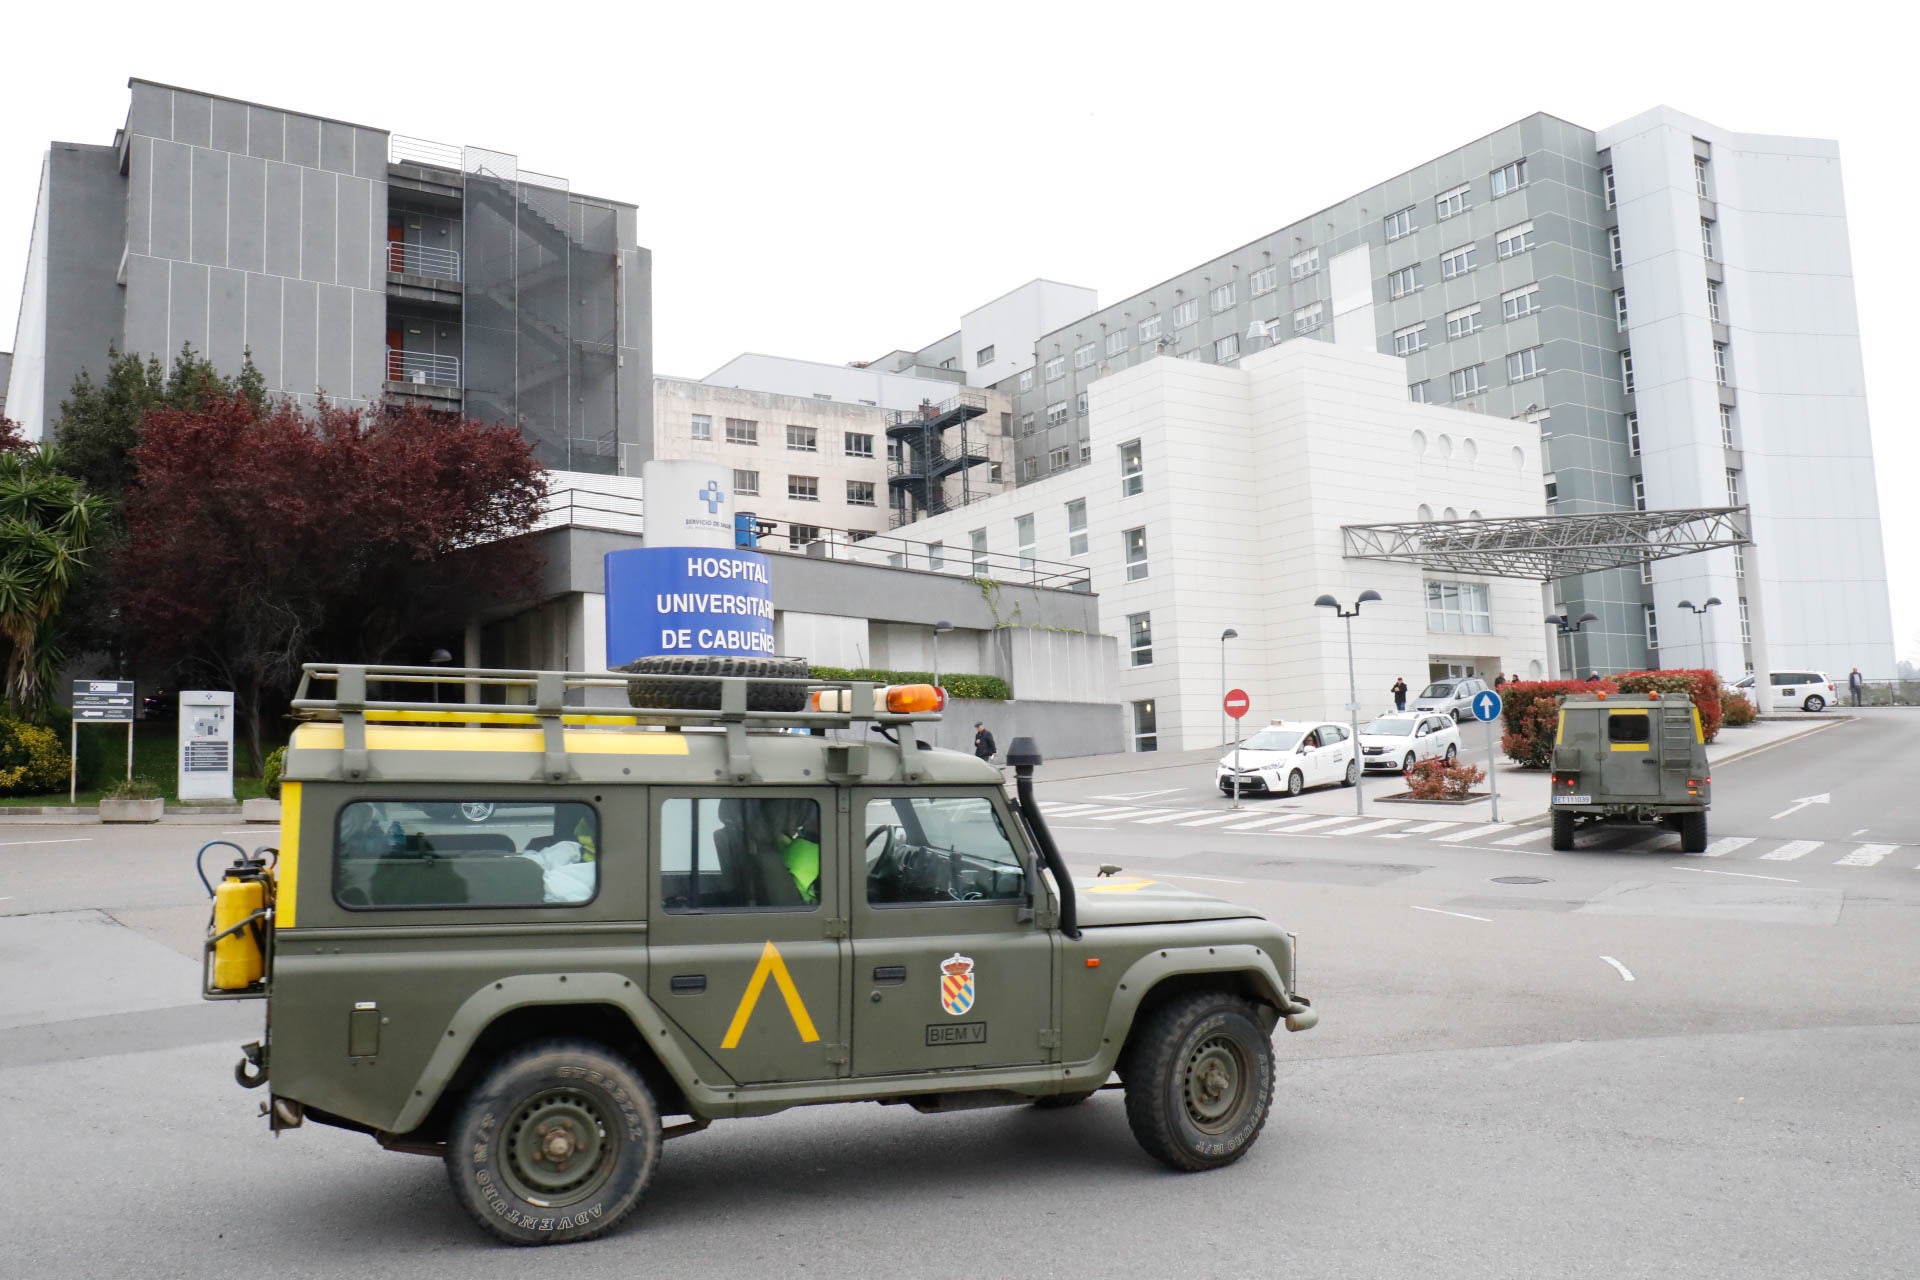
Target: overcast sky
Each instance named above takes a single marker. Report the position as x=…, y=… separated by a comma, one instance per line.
x=833, y=181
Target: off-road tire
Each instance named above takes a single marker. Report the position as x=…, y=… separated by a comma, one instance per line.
x=1693, y=832
x=1061, y=1101
x=574, y=1086
x=1178, y=1055
x=1815, y=703
x=1296, y=783
x=673, y=684
x=1562, y=830
x=1353, y=774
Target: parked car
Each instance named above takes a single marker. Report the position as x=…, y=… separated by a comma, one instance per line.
x=1452, y=696
x=1290, y=756
x=1393, y=742
x=1807, y=690
x=161, y=704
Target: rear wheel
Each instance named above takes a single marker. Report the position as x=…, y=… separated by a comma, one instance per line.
x=1353, y=774
x=555, y=1143
x=1199, y=1077
x=1562, y=830
x=1296, y=783
x=1453, y=753
x=1693, y=832
x=1815, y=703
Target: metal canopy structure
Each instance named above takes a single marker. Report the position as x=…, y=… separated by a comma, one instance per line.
x=1545, y=548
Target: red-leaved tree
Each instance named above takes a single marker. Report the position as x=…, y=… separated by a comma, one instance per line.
x=259, y=539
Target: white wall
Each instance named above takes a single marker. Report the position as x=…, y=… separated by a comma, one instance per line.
x=27, y=385
x=806, y=378
x=1012, y=323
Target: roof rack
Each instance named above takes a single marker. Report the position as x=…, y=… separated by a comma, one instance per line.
x=546, y=707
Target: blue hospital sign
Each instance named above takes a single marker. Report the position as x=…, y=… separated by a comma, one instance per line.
x=691, y=600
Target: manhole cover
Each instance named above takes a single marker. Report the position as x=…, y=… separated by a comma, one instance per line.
x=1518, y=880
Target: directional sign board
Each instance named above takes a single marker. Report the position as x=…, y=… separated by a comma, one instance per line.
x=1236, y=703
x=1486, y=706
x=103, y=701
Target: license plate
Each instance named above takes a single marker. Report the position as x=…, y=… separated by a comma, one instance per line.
x=1573, y=799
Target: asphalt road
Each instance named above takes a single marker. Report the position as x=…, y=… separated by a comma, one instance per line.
x=1628, y=1063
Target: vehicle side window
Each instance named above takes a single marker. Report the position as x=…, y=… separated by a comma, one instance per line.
x=1312, y=740
x=1633, y=728
x=739, y=854
x=464, y=852
x=935, y=849
x=1335, y=734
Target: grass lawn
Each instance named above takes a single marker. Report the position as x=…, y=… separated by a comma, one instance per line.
x=156, y=747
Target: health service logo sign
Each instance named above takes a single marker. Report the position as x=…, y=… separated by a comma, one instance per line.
x=688, y=600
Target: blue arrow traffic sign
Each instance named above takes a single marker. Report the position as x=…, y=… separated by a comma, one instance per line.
x=1486, y=705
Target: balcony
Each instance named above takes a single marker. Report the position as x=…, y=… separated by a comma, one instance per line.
x=425, y=260
x=938, y=417
x=423, y=369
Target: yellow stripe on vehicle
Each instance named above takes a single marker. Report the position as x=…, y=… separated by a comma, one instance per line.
x=1699, y=735
x=1560, y=733
x=327, y=736
x=286, y=874
x=1630, y=746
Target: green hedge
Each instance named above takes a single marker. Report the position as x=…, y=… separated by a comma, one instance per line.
x=989, y=688
x=270, y=773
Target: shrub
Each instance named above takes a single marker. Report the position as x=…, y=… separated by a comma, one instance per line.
x=991, y=688
x=33, y=760
x=1700, y=685
x=138, y=787
x=1437, y=780
x=1735, y=710
x=271, y=771
x=99, y=746
x=1531, y=717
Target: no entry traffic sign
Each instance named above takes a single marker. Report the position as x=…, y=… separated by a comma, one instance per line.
x=1236, y=703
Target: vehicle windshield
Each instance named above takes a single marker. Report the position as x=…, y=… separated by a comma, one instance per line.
x=1391, y=727
x=1273, y=740
x=1443, y=689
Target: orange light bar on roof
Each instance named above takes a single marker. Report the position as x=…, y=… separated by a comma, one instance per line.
x=910, y=699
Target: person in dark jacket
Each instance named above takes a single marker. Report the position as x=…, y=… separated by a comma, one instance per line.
x=982, y=741
x=1399, y=693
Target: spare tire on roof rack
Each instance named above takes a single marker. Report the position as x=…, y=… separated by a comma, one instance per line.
x=684, y=683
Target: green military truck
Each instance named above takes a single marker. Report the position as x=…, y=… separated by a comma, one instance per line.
x=1620, y=757
x=523, y=936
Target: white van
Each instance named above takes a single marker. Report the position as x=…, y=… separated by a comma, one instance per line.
x=1807, y=690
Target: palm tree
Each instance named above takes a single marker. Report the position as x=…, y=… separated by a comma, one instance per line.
x=46, y=524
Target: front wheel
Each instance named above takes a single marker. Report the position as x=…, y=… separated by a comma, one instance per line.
x=555, y=1143
x=1296, y=783
x=1406, y=766
x=1815, y=703
x=1199, y=1079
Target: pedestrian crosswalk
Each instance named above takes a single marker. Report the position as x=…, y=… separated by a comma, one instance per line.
x=1522, y=838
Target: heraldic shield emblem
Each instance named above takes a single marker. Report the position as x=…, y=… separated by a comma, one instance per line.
x=956, y=984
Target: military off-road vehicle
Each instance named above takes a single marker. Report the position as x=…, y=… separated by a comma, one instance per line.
x=522, y=937
x=1630, y=758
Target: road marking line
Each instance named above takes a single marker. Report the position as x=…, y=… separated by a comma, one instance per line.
x=1525, y=837
x=1744, y=875
x=1625, y=972
x=1866, y=855
x=1321, y=822
x=1141, y=795
x=9, y=844
x=1114, y=815
x=1268, y=822
x=1862, y=831
x=1174, y=816
x=1061, y=826
x=1430, y=826
x=1791, y=850
x=1375, y=825
x=1228, y=816
x=1459, y=914
x=1066, y=809
x=1394, y=835
x=1725, y=845
x=1168, y=875
x=1490, y=829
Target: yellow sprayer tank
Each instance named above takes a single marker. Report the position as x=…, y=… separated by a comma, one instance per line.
x=238, y=961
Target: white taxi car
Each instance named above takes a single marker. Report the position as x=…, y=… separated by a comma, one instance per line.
x=1807, y=690
x=1290, y=756
x=1393, y=742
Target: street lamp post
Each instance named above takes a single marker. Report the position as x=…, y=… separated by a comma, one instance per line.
x=1229, y=634
x=1699, y=612
x=1353, y=688
x=939, y=629
x=1570, y=627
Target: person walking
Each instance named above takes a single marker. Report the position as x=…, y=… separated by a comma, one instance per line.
x=1500, y=680
x=982, y=741
x=1399, y=693
x=1855, y=685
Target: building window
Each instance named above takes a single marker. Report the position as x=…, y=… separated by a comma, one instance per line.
x=1713, y=301
x=1449, y=204
x=978, y=539
x=1023, y=539
x=1134, y=545
x=1746, y=622
x=1221, y=298
x=1303, y=264
x=936, y=555
x=803, y=440
x=1700, y=177
x=1653, y=629
x=1186, y=313
x=1056, y=368
x=1132, y=469
x=1470, y=381
x=1150, y=328
x=1140, y=639
x=1227, y=349
x=1633, y=435
x=1553, y=489
x=1086, y=452
x=1726, y=426
x=1060, y=459
x=1733, y=487
x=1456, y=262
x=1606, y=186
x=1083, y=355
x=1639, y=493
x=1706, y=238
x=1522, y=365
x=857, y=444
x=1509, y=178
x=746, y=484
x=1514, y=240
x=1026, y=379
x=1410, y=339
x=1056, y=413
x=859, y=535
x=994, y=470
x=1404, y=281
x=1080, y=405
x=1117, y=342
x=1523, y=301
x=1461, y=608
x=1420, y=392
x=803, y=488
x=1613, y=247
x=1463, y=322
x=1026, y=424
x=1146, y=736
x=1265, y=280
x=702, y=426
x=1077, y=527
x=1646, y=571
x=1720, y=363
x=1307, y=318
x=1739, y=562
x=1399, y=224
x=742, y=431
x=860, y=493
x=1029, y=469
x=1620, y=310
x=983, y=357
x=1626, y=371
